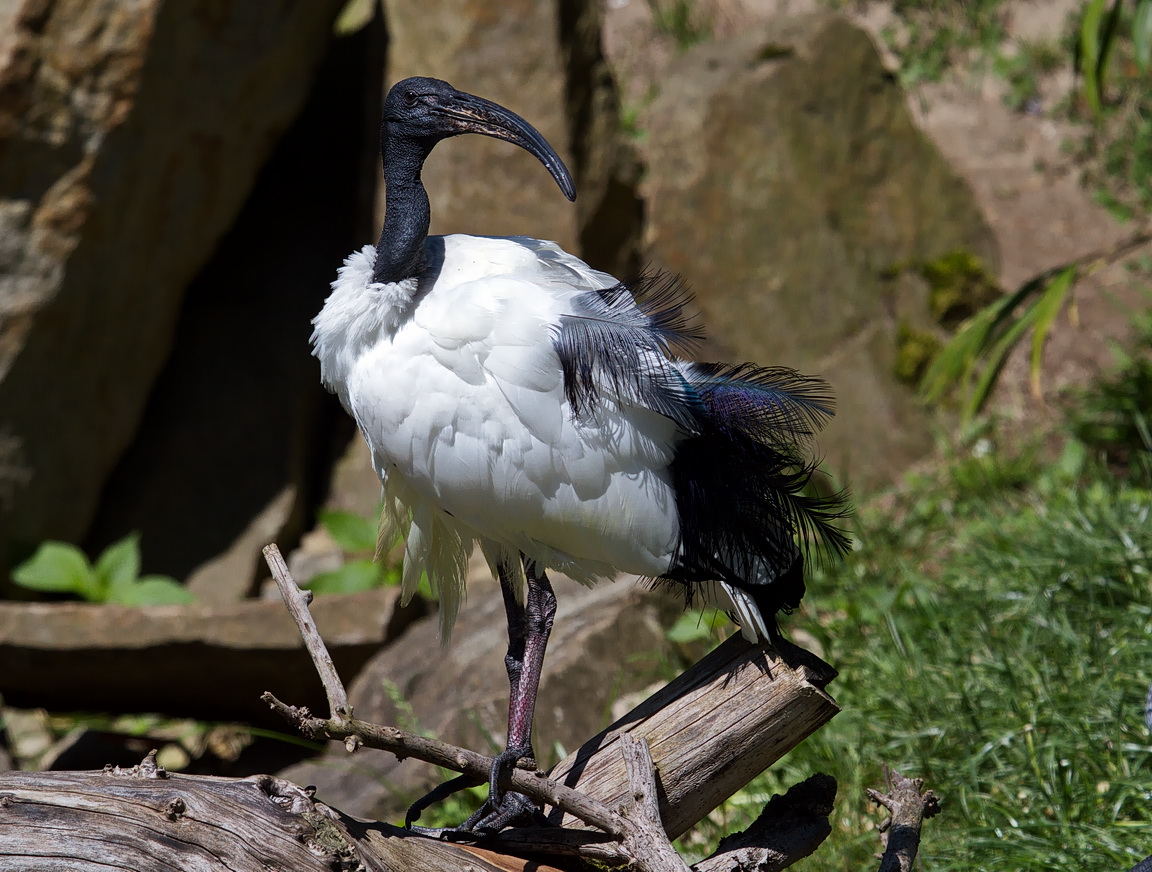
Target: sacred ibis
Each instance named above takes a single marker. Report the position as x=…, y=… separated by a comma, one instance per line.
x=517, y=399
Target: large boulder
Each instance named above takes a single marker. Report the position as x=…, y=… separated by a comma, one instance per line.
x=130, y=133
x=542, y=59
x=789, y=186
x=238, y=435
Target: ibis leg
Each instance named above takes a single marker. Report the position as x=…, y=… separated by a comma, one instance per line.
x=529, y=625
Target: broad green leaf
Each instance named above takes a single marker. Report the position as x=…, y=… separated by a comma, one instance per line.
x=119, y=565
x=151, y=590
x=1047, y=308
x=695, y=625
x=56, y=567
x=353, y=577
x=350, y=531
x=1142, y=35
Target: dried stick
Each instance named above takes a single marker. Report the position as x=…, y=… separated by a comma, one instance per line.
x=297, y=601
x=789, y=828
x=341, y=724
x=461, y=760
x=646, y=837
x=908, y=804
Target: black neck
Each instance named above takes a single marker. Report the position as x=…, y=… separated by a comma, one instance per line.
x=400, y=251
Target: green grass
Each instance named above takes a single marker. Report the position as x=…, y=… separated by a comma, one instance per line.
x=993, y=634
x=686, y=22
x=939, y=34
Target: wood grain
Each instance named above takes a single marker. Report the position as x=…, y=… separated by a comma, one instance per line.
x=710, y=731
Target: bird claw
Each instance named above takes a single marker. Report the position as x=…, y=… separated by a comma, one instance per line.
x=500, y=810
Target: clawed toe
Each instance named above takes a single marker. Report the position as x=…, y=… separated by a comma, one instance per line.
x=500, y=810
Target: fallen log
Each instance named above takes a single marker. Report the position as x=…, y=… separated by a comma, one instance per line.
x=647, y=778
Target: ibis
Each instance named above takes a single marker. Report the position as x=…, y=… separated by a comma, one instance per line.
x=517, y=400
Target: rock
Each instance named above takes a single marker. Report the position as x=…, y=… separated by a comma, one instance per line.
x=196, y=661
x=239, y=434
x=607, y=642
x=790, y=188
x=130, y=134
x=542, y=59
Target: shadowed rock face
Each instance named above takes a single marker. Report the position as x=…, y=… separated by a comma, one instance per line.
x=786, y=183
x=129, y=136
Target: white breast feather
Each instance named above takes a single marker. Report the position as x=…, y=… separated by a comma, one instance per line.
x=460, y=396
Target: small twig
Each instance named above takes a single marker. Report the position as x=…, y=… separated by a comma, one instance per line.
x=646, y=837
x=297, y=602
x=908, y=804
x=789, y=828
x=439, y=753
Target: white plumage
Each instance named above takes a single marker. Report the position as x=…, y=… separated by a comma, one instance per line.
x=459, y=392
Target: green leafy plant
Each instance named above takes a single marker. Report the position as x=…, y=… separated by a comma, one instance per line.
x=58, y=567
x=699, y=625
x=1113, y=51
x=974, y=357
x=1099, y=29
x=356, y=535
x=938, y=34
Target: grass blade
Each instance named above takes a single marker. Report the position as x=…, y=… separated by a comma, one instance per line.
x=1049, y=305
x=995, y=360
x=1090, y=54
x=1142, y=35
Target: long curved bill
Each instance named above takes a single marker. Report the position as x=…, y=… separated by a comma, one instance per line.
x=471, y=114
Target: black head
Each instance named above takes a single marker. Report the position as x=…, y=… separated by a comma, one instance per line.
x=429, y=110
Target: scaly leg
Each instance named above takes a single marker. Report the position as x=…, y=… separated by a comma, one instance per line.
x=529, y=625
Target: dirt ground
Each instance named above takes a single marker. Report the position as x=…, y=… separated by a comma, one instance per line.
x=1018, y=164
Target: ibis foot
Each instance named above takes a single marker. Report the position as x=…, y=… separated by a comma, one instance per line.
x=500, y=810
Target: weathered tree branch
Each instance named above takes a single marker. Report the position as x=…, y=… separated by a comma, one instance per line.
x=649, y=776
x=297, y=602
x=908, y=804
x=438, y=753
x=646, y=838
x=789, y=828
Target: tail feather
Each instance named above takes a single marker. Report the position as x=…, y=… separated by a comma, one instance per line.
x=749, y=515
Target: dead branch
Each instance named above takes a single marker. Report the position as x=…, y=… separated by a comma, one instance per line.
x=403, y=744
x=710, y=731
x=143, y=819
x=646, y=837
x=908, y=805
x=297, y=602
x=789, y=828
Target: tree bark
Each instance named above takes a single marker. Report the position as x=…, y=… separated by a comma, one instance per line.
x=710, y=731
x=145, y=820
